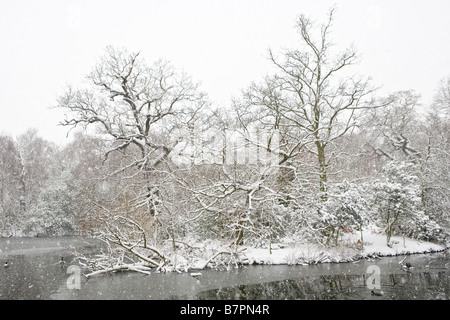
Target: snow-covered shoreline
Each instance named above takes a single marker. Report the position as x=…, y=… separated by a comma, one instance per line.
x=374, y=246
x=199, y=255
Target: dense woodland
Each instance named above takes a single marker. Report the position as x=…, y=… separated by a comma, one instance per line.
x=151, y=167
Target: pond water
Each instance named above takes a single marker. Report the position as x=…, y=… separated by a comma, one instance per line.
x=34, y=272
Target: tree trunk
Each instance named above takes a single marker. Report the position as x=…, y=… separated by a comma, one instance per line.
x=239, y=230
x=323, y=178
x=239, y=235
x=22, y=186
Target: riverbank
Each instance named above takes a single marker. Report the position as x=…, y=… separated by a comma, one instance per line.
x=291, y=253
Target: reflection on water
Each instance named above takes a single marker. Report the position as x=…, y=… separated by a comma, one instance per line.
x=35, y=273
x=423, y=286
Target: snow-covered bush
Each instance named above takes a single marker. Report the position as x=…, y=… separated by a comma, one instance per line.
x=428, y=229
x=344, y=210
x=395, y=205
x=272, y=222
x=398, y=206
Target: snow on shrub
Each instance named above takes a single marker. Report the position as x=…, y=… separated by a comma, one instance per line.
x=398, y=206
x=344, y=210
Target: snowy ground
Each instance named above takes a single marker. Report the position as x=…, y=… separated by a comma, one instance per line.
x=288, y=252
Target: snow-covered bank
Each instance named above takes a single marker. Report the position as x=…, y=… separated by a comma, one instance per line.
x=220, y=255
x=374, y=245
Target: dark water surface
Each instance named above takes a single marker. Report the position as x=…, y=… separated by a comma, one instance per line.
x=35, y=273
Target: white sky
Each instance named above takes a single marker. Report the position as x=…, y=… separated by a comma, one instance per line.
x=404, y=44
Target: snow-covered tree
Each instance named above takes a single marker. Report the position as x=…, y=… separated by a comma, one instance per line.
x=10, y=195
x=138, y=109
x=435, y=166
x=346, y=209
x=398, y=203
x=308, y=100
x=54, y=212
x=136, y=106
x=36, y=157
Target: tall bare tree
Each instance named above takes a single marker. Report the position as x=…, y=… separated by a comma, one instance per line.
x=135, y=106
x=139, y=110
x=312, y=95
